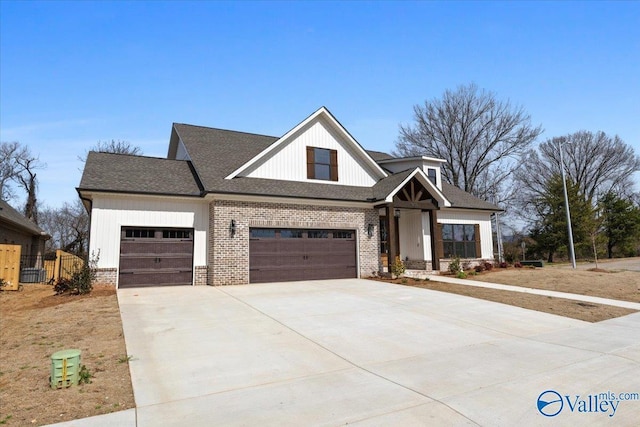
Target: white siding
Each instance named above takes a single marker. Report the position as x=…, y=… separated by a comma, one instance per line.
x=426, y=232
x=289, y=163
x=411, y=235
x=109, y=214
x=416, y=162
x=446, y=216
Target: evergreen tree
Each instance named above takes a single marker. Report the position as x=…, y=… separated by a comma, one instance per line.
x=550, y=230
x=621, y=224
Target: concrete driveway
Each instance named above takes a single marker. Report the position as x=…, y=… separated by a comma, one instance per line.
x=369, y=354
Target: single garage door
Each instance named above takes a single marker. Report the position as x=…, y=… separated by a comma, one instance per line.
x=155, y=257
x=280, y=255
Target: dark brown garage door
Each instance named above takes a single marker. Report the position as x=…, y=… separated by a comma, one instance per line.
x=279, y=255
x=155, y=257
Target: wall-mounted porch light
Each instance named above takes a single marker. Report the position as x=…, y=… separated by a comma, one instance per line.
x=370, y=230
x=396, y=213
x=232, y=228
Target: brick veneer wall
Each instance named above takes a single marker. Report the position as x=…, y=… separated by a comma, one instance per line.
x=106, y=276
x=201, y=275
x=229, y=256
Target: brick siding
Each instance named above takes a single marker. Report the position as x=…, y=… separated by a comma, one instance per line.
x=228, y=256
x=106, y=276
x=201, y=275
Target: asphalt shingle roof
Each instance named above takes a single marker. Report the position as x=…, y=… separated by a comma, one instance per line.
x=15, y=218
x=138, y=174
x=461, y=199
x=216, y=153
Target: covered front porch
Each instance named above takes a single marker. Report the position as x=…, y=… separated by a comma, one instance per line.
x=408, y=225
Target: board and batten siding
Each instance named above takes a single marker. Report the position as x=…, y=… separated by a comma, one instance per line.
x=109, y=214
x=446, y=216
x=411, y=235
x=289, y=162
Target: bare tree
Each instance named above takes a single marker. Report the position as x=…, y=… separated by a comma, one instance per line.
x=478, y=135
x=68, y=227
x=19, y=166
x=113, y=146
x=9, y=168
x=27, y=179
x=596, y=162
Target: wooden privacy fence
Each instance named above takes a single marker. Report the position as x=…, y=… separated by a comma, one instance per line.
x=15, y=268
x=63, y=266
x=10, y=266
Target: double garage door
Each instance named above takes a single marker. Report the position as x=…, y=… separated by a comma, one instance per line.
x=155, y=257
x=278, y=255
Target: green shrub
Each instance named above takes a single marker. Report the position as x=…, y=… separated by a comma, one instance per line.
x=84, y=375
x=398, y=268
x=454, y=265
x=461, y=275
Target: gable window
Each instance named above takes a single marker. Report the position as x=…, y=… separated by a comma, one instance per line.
x=431, y=174
x=461, y=240
x=322, y=164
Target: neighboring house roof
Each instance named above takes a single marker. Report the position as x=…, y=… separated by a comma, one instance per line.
x=9, y=215
x=138, y=174
x=214, y=154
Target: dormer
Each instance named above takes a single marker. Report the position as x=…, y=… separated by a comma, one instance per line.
x=429, y=165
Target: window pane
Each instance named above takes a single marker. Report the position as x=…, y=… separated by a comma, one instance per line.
x=318, y=234
x=321, y=156
x=342, y=235
x=322, y=171
x=268, y=233
x=448, y=249
x=459, y=249
x=431, y=174
x=447, y=232
x=470, y=249
x=469, y=233
x=458, y=232
x=291, y=234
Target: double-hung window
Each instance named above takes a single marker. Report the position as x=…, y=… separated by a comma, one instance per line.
x=460, y=240
x=322, y=164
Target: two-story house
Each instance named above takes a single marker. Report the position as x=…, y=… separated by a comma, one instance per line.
x=228, y=207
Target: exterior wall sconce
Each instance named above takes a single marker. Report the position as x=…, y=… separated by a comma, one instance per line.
x=396, y=213
x=232, y=228
x=370, y=230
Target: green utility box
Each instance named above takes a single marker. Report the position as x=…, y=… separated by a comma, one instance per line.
x=65, y=368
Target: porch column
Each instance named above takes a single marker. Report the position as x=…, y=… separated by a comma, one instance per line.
x=392, y=235
x=435, y=256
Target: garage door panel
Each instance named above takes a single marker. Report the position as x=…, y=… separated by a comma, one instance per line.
x=309, y=255
x=155, y=278
x=156, y=259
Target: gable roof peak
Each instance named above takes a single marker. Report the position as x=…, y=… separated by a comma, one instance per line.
x=283, y=140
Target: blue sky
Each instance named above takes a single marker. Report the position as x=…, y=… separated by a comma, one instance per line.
x=75, y=73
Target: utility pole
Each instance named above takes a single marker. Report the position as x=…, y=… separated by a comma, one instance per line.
x=566, y=205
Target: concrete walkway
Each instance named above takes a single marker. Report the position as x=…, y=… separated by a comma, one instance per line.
x=565, y=295
x=338, y=352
